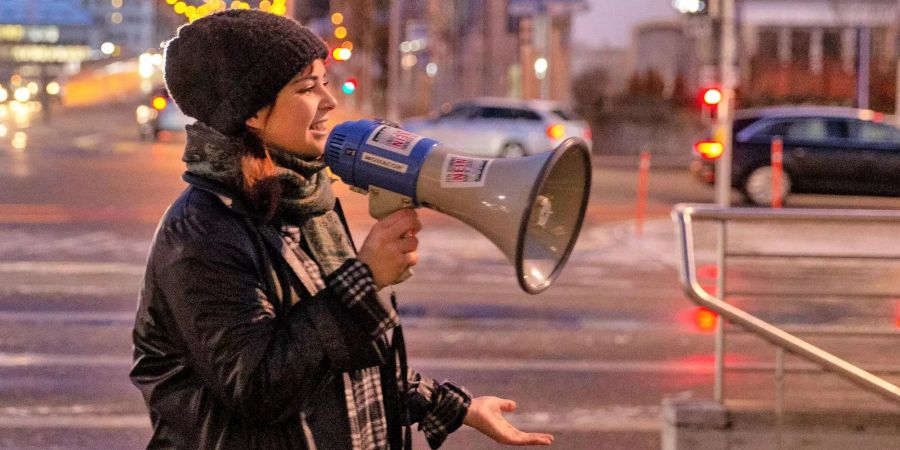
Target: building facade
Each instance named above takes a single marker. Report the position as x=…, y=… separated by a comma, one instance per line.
x=811, y=50
x=668, y=50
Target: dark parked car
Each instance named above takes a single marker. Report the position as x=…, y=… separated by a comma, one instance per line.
x=159, y=114
x=827, y=150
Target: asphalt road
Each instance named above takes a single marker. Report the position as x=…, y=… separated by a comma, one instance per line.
x=589, y=360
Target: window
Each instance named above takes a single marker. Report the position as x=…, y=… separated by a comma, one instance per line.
x=767, y=47
x=565, y=114
x=814, y=128
x=524, y=114
x=875, y=132
x=459, y=112
x=775, y=129
x=831, y=44
x=800, y=40
x=817, y=129
x=497, y=113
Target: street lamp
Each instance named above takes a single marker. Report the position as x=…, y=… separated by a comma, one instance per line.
x=540, y=68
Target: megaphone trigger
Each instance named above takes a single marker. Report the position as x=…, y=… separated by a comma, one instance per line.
x=382, y=202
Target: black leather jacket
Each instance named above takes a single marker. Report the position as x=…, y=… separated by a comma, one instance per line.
x=221, y=357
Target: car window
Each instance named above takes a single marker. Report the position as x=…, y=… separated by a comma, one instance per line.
x=779, y=128
x=565, y=114
x=524, y=114
x=807, y=129
x=740, y=124
x=459, y=112
x=875, y=132
x=490, y=112
x=814, y=129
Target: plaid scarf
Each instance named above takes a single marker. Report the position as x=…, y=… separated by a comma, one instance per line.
x=306, y=207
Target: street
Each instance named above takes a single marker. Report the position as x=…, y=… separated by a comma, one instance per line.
x=590, y=360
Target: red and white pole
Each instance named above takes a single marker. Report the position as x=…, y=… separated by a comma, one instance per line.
x=643, y=182
x=777, y=170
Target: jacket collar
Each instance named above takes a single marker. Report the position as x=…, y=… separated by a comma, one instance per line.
x=229, y=197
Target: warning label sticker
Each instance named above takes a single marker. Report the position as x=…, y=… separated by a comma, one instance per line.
x=393, y=140
x=384, y=162
x=464, y=171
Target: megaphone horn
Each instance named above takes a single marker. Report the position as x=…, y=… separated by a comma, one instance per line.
x=531, y=208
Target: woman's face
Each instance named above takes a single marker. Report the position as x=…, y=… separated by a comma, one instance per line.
x=296, y=122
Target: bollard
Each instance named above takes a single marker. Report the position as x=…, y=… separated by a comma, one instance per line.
x=643, y=181
x=777, y=170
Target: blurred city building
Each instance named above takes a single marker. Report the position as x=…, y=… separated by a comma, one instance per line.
x=50, y=34
x=453, y=49
x=810, y=50
x=129, y=25
x=614, y=62
x=666, y=49
x=807, y=51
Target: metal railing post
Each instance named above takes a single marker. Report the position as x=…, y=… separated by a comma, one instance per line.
x=779, y=397
x=719, y=386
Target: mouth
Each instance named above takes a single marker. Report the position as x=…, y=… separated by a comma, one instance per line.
x=320, y=126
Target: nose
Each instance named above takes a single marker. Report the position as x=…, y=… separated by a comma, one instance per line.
x=329, y=101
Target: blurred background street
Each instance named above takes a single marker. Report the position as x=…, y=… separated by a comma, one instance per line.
x=90, y=159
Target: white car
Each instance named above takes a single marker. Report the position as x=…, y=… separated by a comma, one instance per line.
x=160, y=114
x=502, y=127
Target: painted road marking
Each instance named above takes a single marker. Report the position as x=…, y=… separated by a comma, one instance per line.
x=71, y=268
x=677, y=367
x=609, y=418
x=13, y=213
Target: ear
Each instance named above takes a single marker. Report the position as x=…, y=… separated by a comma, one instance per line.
x=258, y=121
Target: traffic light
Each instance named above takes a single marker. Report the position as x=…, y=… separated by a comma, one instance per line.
x=693, y=7
x=710, y=97
x=349, y=86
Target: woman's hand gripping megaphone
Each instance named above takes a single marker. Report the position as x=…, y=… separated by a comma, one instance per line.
x=390, y=248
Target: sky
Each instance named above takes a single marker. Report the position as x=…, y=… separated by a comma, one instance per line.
x=609, y=22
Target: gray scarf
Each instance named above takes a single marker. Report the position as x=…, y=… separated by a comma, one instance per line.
x=307, y=200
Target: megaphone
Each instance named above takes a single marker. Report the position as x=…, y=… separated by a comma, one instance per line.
x=531, y=208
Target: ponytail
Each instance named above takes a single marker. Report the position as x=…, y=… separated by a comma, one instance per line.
x=259, y=177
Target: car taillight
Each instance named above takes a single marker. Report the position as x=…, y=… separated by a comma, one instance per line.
x=709, y=149
x=587, y=134
x=705, y=319
x=556, y=131
x=159, y=102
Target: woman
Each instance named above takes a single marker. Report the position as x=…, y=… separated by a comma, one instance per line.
x=259, y=326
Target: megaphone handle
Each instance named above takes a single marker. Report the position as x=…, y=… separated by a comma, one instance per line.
x=404, y=276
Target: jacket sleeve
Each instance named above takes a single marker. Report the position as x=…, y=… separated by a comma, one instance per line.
x=260, y=366
x=438, y=408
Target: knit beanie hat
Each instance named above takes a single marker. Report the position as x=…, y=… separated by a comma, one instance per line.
x=223, y=68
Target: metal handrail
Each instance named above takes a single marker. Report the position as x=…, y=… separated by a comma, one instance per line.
x=684, y=214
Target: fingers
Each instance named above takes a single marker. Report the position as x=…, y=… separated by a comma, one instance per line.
x=404, y=222
x=531, y=439
x=407, y=244
x=507, y=405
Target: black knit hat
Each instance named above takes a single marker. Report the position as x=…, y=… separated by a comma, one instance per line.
x=223, y=68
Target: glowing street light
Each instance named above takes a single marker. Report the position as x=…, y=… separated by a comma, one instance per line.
x=540, y=68
x=107, y=48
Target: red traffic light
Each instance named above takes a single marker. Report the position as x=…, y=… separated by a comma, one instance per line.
x=711, y=96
